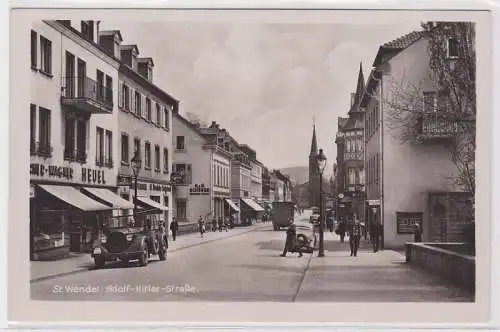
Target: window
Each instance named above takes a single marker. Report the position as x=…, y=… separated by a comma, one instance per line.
x=430, y=102
x=158, y=115
x=100, y=85
x=44, y=132
x=147, y=155
x=45, y=55
x=69, y=137
x=108, y=149
x=150, y=73
x=81, y=140
x=34, y=45
x=351, y=173
x=180, y=143
x=137, y=147
x=157, y=158
x=138, y=103
x=148, y=109
x=125, y=149
x=166, y=117
x=32, y=128
x=125, y=97
x=181, y=209
x=452, y=48
x=99, y=151
x=108, y=90
x=165, y=201
x=165, y=160
x=185, y=172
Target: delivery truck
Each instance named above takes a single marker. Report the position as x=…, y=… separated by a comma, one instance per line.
x=282, y=214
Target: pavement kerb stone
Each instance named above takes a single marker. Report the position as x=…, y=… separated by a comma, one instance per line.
x=186, y=246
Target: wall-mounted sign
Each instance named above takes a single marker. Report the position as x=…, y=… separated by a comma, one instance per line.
x=406, y=221
x=199, y=189
x=72, y=174
x=129, y=181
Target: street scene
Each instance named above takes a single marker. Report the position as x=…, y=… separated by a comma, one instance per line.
x=252, y=161
x=247, y=267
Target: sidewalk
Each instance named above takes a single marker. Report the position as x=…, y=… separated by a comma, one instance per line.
x=372, y=277
x=78, y=262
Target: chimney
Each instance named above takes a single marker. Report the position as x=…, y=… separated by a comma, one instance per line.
x=110, y=41
x=128, y=55
x=145, y=68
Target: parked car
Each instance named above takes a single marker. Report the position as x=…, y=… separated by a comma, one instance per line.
x=130, y=243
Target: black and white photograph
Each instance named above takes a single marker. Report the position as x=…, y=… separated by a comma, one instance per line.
x=196, y=159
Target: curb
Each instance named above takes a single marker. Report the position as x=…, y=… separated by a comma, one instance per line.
x=86, y=269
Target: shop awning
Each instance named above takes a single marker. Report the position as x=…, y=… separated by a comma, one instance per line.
x=110, y=197
x=152, y=203
x=252, y=204
x=74, y=198
x=232, y=205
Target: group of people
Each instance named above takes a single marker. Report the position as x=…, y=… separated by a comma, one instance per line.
x=220, y=224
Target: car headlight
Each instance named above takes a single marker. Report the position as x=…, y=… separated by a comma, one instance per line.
x=104, y=239
x=130, y=237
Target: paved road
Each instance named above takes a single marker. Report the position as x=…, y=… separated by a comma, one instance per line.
x=248, y=268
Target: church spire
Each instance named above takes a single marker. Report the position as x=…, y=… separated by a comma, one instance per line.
x=314, y=143
x=360, y=87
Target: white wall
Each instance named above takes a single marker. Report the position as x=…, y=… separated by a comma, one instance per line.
x=410, y=171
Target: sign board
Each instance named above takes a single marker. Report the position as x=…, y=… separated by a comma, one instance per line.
x=72, y=174
x=406, y=221
x=372, y=202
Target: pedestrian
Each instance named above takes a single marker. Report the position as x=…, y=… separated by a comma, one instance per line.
x=342, y=229
x=417, y=233
x=214, y=224
x=221, y=224
x=354, y=237
x=231, y=221
x=290, y=242
x=375, y=235
x=227, y=222
x=201, y=226
x=329, y=221
x=174, y=227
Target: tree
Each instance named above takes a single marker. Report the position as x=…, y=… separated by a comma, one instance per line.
x=451, y=109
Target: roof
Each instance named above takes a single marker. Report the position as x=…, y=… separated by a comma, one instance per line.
x=397, y=45
x=341, y=122
x=149, y=60
x=128, y=47
x=189, y=124
x=314, y=143
x=360, y=88
x=111, y=33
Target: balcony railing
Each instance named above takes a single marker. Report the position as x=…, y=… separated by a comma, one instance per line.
x=108, y=162
x=86, y=94
x=353, y=155
x=437, y=127
x=75, y=155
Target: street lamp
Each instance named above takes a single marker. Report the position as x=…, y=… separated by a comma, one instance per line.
x=135, y=164
x=321, y=164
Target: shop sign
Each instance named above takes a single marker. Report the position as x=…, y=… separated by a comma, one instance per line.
x=199, y=189
x=406, y=221
x=83, y=175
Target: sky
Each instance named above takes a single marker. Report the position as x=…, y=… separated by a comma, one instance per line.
x=263, y=82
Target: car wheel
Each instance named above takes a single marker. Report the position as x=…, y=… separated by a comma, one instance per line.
x=162, y=253
x=301, y=240
x=143, y=259
x=99, y=261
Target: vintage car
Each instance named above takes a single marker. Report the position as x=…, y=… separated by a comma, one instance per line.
x=135, y=242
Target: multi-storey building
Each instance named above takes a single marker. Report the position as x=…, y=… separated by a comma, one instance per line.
x=144, y=122
x=73, y=136
x=404, y=179
x=255, y=174
x=284, y=187
x=266, y=186
x=350, y=157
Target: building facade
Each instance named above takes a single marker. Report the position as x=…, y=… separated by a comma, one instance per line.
x=73, y=99
x=403, y=177
x=144, y=121
x=351, y=156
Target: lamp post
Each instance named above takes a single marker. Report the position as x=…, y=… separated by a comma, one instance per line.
x=135, y=164
x=321, y=163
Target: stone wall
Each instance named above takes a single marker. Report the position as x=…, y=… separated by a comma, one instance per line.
x=446, y=260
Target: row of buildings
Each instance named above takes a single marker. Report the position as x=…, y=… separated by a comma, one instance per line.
x=93, y=107
x=384, y=175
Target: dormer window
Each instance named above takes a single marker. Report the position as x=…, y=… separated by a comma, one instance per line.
x=150, y=73
x=87, y=30
x=452, y=48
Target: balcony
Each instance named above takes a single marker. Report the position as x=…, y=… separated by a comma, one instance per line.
x=435, y=127
x=86, y=95
x=353, y=155
x=75, y=155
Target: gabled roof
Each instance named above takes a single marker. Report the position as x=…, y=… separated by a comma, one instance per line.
x=397, y=45
x=111, y=33
x=128, y=47
x=148, y=60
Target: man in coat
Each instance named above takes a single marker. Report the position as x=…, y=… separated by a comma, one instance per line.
x=291, y=235
x=174, y=227
x=354, y=236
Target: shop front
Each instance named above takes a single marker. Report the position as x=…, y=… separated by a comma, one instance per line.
x=152, y=198
x=63, y=217
x=251, y=211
